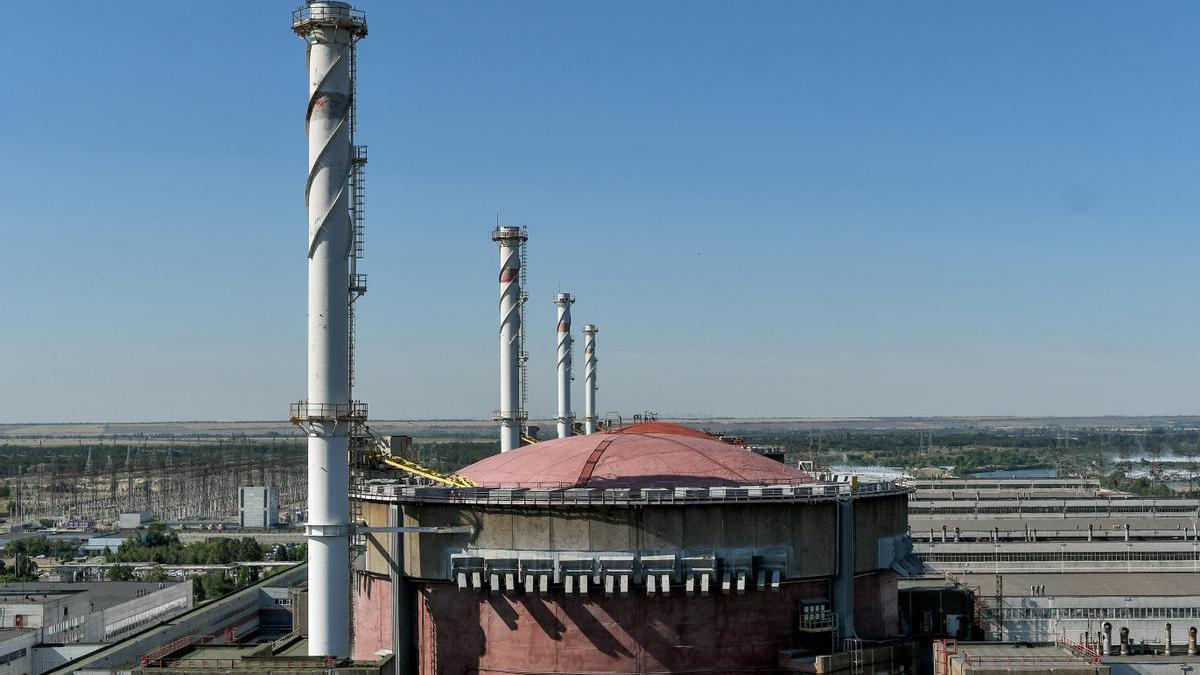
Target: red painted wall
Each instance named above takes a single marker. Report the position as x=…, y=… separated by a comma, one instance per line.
x=876, y=605
x=372, y=610
x=472, y=632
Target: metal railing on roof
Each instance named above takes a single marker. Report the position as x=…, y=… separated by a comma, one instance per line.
x=1023, y=660
x=156, y=657
x=250, y=663
x=565, y=495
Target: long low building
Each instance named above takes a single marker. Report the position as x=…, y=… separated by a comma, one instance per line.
x=1076, y=606
x=95, y=612
x=1061, y=556
x=920, y=507
x=238, y=613
x=1040, y=528
x=923, y=485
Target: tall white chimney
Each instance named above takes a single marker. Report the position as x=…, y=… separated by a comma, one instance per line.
x=566, y=418
x=330, y=29
x=510, y=415
x=589, y=378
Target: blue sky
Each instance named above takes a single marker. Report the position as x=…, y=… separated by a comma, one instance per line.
x=769, y=208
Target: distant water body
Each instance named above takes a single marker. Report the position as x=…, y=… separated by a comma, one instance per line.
x=1016, y=473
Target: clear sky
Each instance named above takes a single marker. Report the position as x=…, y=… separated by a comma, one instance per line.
x=769, y=208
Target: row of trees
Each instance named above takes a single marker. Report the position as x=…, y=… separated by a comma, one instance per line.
x=22, y=569
x=163, y=546
x=63, y=549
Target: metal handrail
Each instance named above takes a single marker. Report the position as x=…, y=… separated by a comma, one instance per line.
x=254, y=663
x=510, y=232
x=307, y=411
x=563, y=496
x=970, y=659
x=155, y=656
x=308, y=13
x=818, y=623
x=1082, y=649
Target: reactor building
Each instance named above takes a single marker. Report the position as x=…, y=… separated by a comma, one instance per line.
x=651, y=548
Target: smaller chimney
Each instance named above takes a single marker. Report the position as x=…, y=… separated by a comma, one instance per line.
x=589, y=378
x=566, y=418
x=511, y=415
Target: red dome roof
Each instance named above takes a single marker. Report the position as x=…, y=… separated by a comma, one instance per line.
x=670, y=456
x=669, y=428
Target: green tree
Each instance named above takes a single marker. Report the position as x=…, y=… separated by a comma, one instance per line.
x=249, y=550
x=23, y=569
x=157, y=534
x=155, y=573
x=298, y=552
x=246, y=576
x=215, y=584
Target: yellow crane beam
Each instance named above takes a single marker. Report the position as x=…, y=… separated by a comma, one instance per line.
x=411, y=467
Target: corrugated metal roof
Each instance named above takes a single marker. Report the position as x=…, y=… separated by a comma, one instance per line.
x=1084, y=584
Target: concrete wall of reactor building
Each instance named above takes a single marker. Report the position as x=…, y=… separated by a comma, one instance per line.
x=807, y=530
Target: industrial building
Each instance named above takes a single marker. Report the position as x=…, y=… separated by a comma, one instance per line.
x=258, y=507
x=1063, y=561
x=651, y=548
x=259, y=612
x=16, y=651
x=90, y=612
x=1050, y=525
x=132, y=521
x=44, y=624
x=1046, y=607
